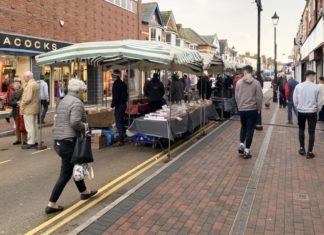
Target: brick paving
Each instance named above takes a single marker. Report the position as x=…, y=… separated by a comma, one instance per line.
x=201, y=193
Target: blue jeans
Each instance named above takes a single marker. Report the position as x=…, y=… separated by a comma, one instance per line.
x=290, y=109
x=119, y=119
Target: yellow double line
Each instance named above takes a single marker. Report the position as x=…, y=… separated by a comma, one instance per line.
x=88, y=204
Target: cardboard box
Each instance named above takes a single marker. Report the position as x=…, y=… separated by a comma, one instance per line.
x=98, y=142
x=101, y=119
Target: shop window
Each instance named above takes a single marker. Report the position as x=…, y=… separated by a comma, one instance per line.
x=10, y=67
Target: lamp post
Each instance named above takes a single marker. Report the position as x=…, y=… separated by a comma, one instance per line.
x=275, y=20
x=259, y=126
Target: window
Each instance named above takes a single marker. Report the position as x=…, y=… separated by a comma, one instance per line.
x=123, y=3
x=169, y=38
x=130, y=5
x=153, y=34
x=178, y=42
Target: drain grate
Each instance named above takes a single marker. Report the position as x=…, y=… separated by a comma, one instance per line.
x=301, y=196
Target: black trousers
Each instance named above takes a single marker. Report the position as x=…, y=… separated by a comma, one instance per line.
x=282, y=99
x=248, y=122
x=311, y=119
x=44, y=110
x=119, y=119
x=321, y=114
x=65, y=150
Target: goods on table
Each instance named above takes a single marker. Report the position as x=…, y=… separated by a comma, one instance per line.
x=177, y=111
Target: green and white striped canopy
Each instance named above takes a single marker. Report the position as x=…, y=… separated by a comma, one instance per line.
x=138, y=53
x=212, y=62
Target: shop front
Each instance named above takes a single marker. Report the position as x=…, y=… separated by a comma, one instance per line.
x=312, y=50
x=17, y=55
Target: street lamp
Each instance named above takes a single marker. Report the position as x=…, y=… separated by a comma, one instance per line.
x=259, y=126
x=275, y=21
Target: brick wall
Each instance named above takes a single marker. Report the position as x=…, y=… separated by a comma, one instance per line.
x=84, y=20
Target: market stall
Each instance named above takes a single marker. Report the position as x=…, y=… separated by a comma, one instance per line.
x=129, y=54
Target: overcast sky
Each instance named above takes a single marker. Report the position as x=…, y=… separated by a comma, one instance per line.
x=236, y=20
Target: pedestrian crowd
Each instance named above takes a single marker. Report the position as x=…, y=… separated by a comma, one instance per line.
x=306, y=100
x=29, y=100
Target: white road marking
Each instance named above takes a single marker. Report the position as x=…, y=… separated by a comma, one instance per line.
x=41, y=151
x=5, y=162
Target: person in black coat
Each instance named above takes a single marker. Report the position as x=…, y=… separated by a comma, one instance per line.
x=204, y=87
x=155, y=92
x=119, y=102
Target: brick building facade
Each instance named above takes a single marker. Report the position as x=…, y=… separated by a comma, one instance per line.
x=30, y=27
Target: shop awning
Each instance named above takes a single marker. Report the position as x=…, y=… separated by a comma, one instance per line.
x=144, y=54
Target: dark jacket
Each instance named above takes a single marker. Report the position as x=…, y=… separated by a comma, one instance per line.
x=204, y=88
x=70, y=118
x=290, y=88
x=13, y=100
x=282, y=83
x=177, y=90
x=119, y=93
x=155, y=90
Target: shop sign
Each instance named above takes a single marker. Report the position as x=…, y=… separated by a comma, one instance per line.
x=29, y=43
x=314, y=40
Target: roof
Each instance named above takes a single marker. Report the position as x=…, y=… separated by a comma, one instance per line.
x=148, y=9
x=223, y=44
x=209, y=39
x=191, y=36
x=166, y=16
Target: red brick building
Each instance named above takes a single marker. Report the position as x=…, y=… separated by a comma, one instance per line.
x=31, y=27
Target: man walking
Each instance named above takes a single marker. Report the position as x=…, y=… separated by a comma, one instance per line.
x=248, y=95
x=29, y=108
x=289, y=92
x=44, y=98
x=119, y=102
x=308, y=101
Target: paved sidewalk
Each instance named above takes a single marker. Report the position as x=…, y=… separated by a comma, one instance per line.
x=202, y=192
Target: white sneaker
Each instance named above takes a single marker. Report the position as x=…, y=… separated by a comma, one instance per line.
x=247, y=154
x=241, y=149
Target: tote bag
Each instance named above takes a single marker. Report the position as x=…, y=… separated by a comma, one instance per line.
x=82, y=151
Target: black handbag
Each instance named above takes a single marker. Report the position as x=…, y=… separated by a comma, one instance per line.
x=82, y=151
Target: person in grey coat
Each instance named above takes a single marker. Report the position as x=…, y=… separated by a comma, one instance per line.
x=69, y=124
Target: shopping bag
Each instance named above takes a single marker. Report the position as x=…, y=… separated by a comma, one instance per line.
x=20, y=123
x=82, y=151
x=228, y=105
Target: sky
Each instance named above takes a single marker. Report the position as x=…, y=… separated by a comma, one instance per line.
x=236, y=20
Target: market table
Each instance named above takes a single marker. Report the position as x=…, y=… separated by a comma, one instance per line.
x=201, y=115
x=159, y=128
